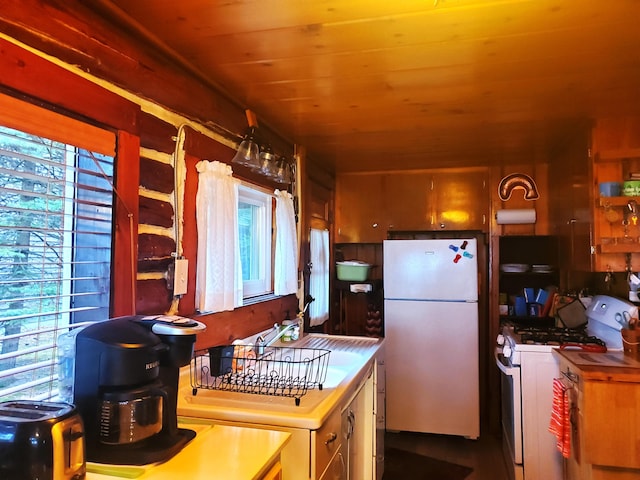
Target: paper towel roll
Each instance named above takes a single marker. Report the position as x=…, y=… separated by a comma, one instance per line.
x=523, y=215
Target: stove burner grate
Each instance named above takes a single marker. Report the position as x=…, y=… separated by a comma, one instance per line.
x=558, y=336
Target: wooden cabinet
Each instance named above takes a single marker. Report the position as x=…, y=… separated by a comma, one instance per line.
x=407, y=201
x=369, y=205
x=460, y=200
x=605, y=440
x=359, y=209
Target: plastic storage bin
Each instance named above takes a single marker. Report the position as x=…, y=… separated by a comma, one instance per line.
x=352, y=271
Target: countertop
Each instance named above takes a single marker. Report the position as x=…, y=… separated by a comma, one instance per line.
x=609, y=366
x=217, y=452
x=315, y=406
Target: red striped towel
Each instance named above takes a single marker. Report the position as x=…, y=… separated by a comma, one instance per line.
x=560, y=422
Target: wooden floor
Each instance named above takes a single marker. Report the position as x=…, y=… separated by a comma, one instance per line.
x=483, y=455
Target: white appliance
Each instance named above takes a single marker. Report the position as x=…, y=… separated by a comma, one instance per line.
x=524, y=357
x=431, y=335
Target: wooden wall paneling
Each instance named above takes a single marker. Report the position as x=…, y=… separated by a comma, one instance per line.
x=124, y=284
x=225, y=327
x=30, y=75
x=85, y=38
x=155, y=247
x=541, y=177
x=615, y=136
x=187, y=304
x=157, y=134
x=206, y=148
x=156, y=176
x=148, y=76
x=152, y=297
x=156, y=212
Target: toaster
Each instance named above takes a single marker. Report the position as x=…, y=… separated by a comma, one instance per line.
x=41, y=441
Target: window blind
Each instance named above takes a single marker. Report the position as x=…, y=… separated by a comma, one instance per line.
x=56, y=229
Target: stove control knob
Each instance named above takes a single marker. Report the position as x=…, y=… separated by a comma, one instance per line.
x=500, y=339
x=506, y=351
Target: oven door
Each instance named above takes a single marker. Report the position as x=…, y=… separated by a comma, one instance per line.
x=511, y=407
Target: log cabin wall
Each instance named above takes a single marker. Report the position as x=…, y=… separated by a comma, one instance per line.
x=65, y=57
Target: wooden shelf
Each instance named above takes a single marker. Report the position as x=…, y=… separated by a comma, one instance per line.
x=620, y=247
x=616, y=201
x=617, y=155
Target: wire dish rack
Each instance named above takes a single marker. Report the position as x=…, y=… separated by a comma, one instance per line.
x=279, y=371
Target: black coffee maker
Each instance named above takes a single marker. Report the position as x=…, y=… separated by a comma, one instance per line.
x=126, y=387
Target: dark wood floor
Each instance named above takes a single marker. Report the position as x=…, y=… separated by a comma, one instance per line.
x=483, y=455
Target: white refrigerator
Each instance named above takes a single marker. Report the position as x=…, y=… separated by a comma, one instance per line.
x=431, y=335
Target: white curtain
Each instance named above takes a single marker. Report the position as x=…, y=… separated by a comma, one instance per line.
x=285, y=271
x=219, y=273
x=319, y=278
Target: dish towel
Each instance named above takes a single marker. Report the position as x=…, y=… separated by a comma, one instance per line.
x=560, y=422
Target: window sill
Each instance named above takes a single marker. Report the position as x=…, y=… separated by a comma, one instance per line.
x=259, y=299
x=249, y=301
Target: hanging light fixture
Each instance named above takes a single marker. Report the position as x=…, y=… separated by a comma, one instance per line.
x=283, y=171
x=259, y=157
x=248, y=153
x=268, y=160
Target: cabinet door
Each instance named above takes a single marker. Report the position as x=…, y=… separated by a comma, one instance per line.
x=358, y=427
x=407, y=203
x=460, y=200
x=611, y=428
x=359, y=209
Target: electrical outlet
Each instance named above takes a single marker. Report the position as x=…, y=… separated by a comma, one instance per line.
x=181, y=276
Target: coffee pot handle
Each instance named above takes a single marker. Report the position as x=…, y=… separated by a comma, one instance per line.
x=169, y=406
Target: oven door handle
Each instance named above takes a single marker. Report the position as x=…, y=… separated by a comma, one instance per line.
x=509, y=371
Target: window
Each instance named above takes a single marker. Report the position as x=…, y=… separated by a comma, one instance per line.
x=56, y=229
x=319, y=277
x=255, y=233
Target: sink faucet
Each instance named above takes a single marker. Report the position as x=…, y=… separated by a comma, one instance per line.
x=262, y=342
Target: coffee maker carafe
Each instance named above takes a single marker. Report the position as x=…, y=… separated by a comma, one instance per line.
x=126, y=387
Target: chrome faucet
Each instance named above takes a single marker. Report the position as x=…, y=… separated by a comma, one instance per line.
x=262, y=342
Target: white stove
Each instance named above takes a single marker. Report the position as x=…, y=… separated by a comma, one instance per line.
x=524, y=356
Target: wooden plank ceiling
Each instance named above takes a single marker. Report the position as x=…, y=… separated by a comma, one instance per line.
x=379, y=84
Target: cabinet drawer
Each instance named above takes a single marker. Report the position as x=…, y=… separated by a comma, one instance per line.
x=327, y=442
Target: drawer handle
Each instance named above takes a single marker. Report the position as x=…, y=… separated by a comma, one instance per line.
x=331, y=438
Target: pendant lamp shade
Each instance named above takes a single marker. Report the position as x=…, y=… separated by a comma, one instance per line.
x=248, y=153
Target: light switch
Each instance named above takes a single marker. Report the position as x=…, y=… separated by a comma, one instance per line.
x=181, y=276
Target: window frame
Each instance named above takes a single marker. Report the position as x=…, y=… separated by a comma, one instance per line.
x=256, y=196
x=45, y=121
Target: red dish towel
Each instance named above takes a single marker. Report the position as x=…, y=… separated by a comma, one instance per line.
x=560, y=423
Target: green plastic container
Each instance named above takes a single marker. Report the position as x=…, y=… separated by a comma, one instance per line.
x=352, y=271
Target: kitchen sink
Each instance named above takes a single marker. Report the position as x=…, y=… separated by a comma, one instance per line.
x=347, y=356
